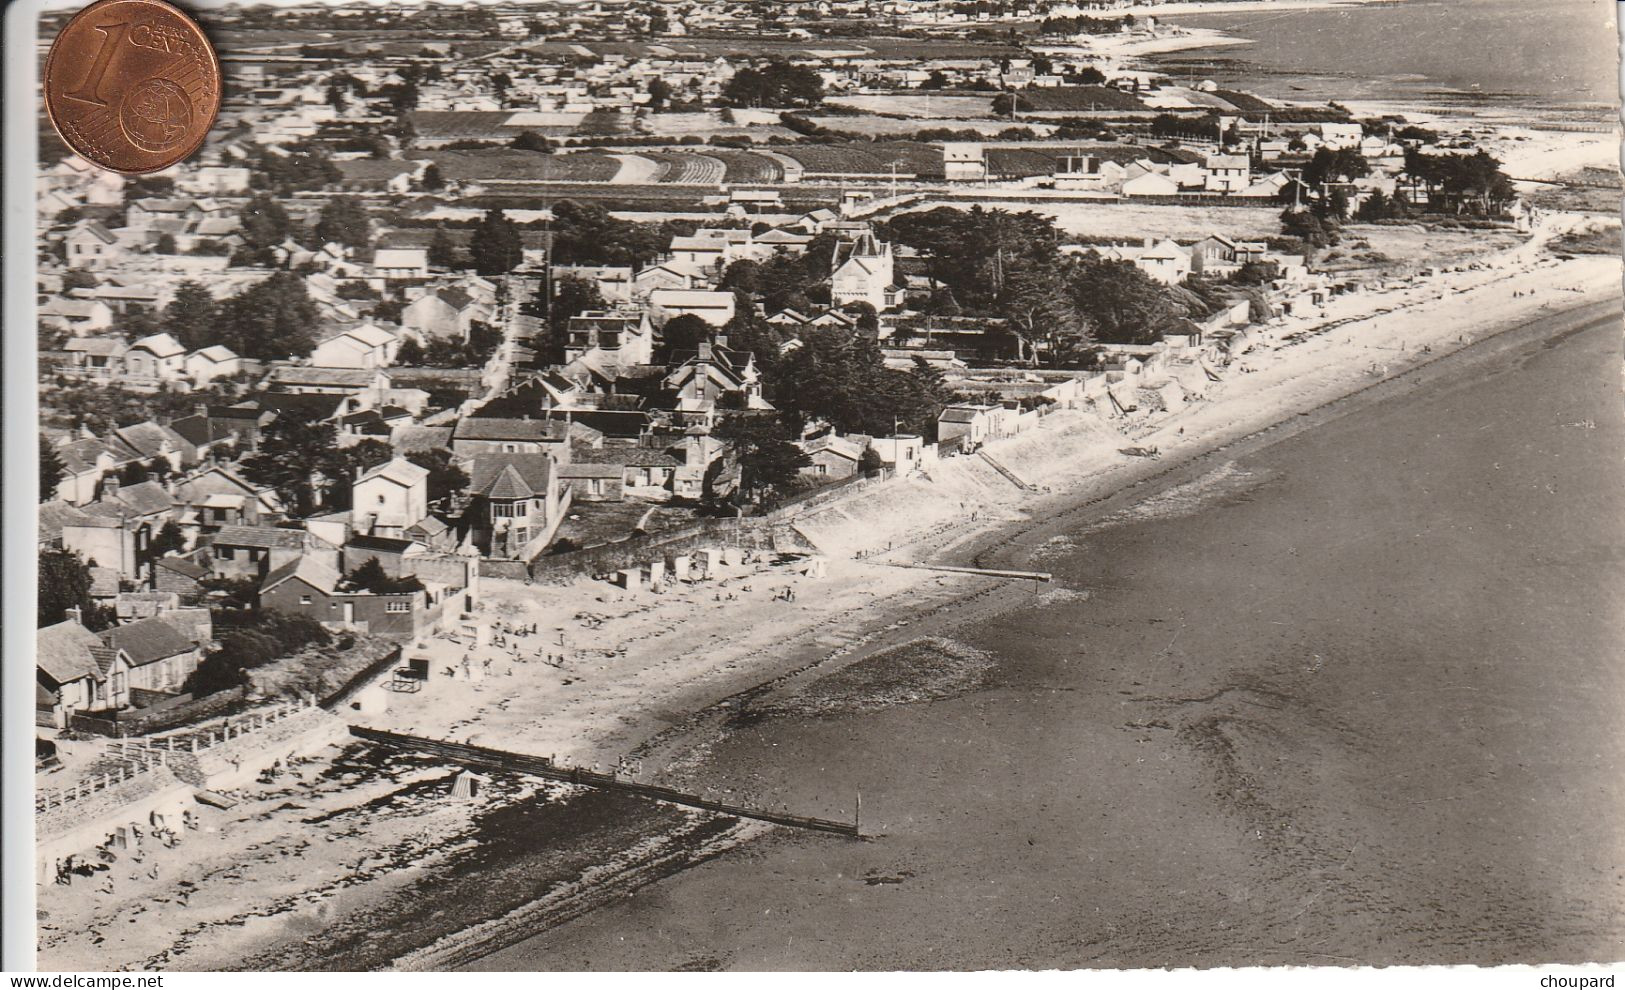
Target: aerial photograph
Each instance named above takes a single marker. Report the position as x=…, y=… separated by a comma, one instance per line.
x=829, y=485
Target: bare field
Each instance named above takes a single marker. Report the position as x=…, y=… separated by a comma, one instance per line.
x=923, y=105
x=1381, y=250
x=1135, y=220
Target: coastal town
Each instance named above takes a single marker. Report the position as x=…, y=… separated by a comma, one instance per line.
x=503, y=391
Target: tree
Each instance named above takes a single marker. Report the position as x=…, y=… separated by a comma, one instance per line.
x=432, y=180
x=133, y=473
x=446, y=477
x=273, y=318
x=685, y=333
x=192, y=316
x=370, y=576
x=768, y=461
x=298, y=457
x=265, y=224
x=1038, y=309
x=78, y=278
x=496, y=248
x=501, y=82
x=64, y=583
x=169, y=539
x=1010, y=104
x=777, y=84
x=345, y=221
x=443, y=251
x=165, y=244
x=410, y=353
x=51, y=471
x=530, y=141
x=1122, y=304
x=659, y=94
x=572, y=295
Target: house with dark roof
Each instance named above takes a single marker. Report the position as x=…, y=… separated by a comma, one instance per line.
x=72, y=666
x=160, y=655
x=178, y=574
x=315, y=589
x=254, y=551
x=517, y=501
x=217, y=496
x=84, y=463
x=445, y=313
x=494, y=435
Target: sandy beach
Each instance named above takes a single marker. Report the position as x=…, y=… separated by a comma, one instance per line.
x=644, y=680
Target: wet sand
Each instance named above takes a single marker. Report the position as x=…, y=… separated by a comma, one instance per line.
x=1351, y=696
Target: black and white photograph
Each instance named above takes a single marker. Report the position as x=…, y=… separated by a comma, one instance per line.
x=817, y=485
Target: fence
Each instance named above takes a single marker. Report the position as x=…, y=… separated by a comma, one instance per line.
x=96, y=783
x=541, y=766
x=361, y=679
x=142, y=722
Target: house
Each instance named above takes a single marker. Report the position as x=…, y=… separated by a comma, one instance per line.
x=715, y=308
x=91, y=245
x=400, y=264
x=863, y=271
x=390, y=498
x=158, y=356
x=254, y=551
x=206, y=364
x=704, y=253
x=614, y=283
x=159, y=655
x=84, y=463
x=216, y=497
x=715, y=377
x=76, y=316
x=590, y=482
x=517, y=503
x=314, y=588
x=150, y=213
x=491, y=435
x=667, y=275
x=151, y=443
x=215, y=180
x=1227, y=173
x=364, y=346
x=365, y=386
x=71, y=669
x=446, y=313
x=963, y=161
x=619, y=337
x=833, y=457
x=967, y=425
x=1150, y=184
x=96, y=357
x=179, y=575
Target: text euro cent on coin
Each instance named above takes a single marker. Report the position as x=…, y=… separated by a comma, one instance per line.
x=132, y=85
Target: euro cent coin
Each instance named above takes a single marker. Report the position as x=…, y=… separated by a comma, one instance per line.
x=132, y=85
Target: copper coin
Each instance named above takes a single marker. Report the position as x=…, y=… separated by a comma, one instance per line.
x=132, y=85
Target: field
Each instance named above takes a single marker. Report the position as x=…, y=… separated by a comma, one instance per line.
x=1133, y=221
x=1369, y=250
x=1079, y=98
x=868, y=159
x=505, y=163
x=923, y=105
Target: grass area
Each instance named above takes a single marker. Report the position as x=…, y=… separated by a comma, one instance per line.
x=591, y=524
x=1080, y=98
x=1602, y=239
x=930, y=108
x=1370, y=250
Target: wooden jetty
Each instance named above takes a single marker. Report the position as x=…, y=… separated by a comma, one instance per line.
x=466, y=754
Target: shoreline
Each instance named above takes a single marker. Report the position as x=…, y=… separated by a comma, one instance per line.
x=700, y=658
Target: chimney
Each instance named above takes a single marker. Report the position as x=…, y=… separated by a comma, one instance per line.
x=1150, y=241
x=109, y=486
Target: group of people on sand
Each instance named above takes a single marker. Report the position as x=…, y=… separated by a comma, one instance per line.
x=131, y=839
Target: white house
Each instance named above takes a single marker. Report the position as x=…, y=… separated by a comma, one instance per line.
x=390, y=498
x=400, y=264
x=209, y=363
x=365, y=346
x=715, y=308
x=863, y=270
x=157, y=356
